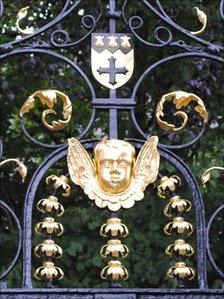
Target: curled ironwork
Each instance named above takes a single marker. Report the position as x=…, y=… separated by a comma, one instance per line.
x=208, y=243
x=15, y=219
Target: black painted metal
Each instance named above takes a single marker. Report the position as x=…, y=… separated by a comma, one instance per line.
x=113, y=105
x=13, y=216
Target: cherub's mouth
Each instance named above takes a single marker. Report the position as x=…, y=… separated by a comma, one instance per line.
x=115, y=179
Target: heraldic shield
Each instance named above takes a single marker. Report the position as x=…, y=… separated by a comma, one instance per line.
x=112, y=58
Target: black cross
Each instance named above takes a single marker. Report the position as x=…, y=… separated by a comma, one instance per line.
x=112, y=70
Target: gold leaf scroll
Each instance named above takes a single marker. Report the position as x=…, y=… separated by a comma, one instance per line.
x=49, y=98
x=21, y=167
x=22, y=13
x=207, y=174
x=202, y=17
x=180, y=99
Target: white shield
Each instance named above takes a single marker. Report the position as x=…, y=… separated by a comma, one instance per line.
x=112, y=58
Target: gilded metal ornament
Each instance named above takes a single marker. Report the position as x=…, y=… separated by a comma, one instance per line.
x=168, y=184
x=202, y=17
x=50, y=205
x=49, y=226
x=49, y=98
x=21, y=168
x=113, y=179
x=207, y=174
x=22, y=13
x=177, y=205
x=60, y=182
x=180, y=99
x=114, y=228
x=48, y=272
x=179, y=248
x=115, y=271
x=114, y=248
x=181, y=271
x=48, y=249
x=178, y=225
x=112, y=58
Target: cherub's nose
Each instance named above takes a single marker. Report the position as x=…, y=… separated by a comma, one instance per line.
x=114, y=167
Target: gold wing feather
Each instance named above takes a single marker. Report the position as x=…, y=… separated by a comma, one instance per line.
x=147, y=163
x=80, y=165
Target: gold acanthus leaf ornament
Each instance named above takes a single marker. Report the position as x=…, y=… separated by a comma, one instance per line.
x=49, y=98
x=114, y=178
x=207, y=174
x=202, y=17
x=180, y=99
x=22, y=13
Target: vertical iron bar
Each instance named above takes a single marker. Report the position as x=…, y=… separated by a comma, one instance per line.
x=112, y=112
x=112, y=21
x=112, y=120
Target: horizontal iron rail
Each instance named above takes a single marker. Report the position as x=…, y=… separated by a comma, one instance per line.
x=119, y=103
x=90, y=293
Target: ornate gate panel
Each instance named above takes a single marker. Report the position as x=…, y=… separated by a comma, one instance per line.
x=136, y=158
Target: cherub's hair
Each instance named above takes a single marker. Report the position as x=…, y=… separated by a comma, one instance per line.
x=113, y=143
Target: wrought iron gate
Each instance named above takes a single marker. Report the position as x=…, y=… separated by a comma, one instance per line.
x=118, y=50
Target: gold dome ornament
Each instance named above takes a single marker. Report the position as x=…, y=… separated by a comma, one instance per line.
x=114, y=228
x=49, y=272
x=49, y=226
x=115, y=178
x=48, y=249
x=180, y=247
x=114, y=248
x=115, y=271
x=50, y=205
x=178, y=225
x=177, y=204
x=181, y=271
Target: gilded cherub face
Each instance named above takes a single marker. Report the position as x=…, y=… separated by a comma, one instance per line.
x=114, y=162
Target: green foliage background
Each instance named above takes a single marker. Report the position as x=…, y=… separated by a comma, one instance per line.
x=24, y=74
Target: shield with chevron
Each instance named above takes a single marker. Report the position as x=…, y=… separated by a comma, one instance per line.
x=112, y=58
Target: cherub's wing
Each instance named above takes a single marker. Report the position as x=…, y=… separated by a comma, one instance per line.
x=80, y=165
x=147, y=163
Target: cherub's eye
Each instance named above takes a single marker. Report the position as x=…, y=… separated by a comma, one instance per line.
x=123, y=163
x=105, y=164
